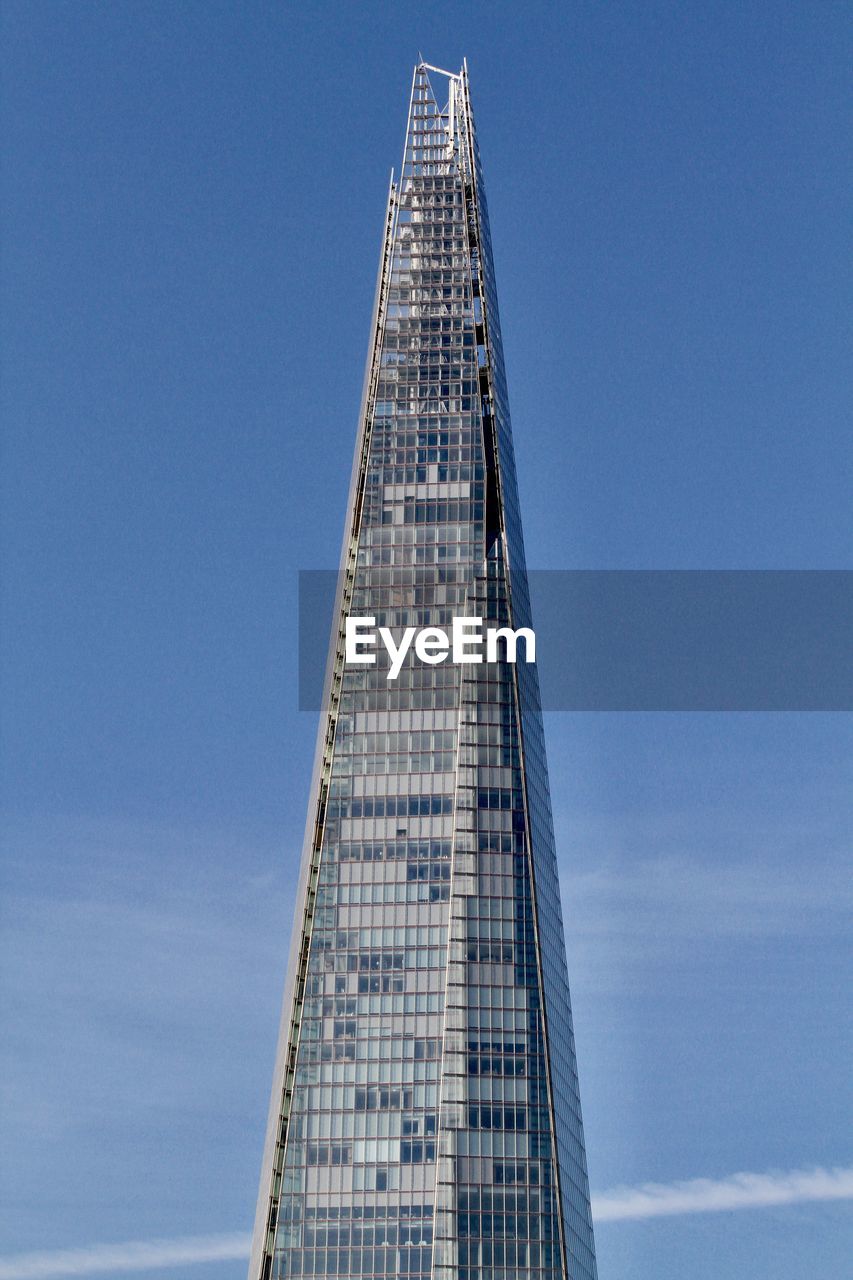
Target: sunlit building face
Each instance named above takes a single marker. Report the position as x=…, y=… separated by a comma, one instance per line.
x=425, y=1119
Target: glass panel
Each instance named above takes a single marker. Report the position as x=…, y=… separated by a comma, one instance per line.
x=434, y=1126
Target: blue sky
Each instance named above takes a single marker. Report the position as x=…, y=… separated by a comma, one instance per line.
x=193, y=198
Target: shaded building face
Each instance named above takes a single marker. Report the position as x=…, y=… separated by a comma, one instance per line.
x=425, y=1118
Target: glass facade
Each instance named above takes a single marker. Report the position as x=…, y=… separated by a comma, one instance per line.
x=425, y=1119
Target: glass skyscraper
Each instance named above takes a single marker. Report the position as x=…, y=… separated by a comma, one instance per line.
x=425, y=1118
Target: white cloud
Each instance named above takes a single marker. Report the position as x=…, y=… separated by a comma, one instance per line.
x=738, y=1191
x=681, y=896
x=700, y=1195
x=136, y=1255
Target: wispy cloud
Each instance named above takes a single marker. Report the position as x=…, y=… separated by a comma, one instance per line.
x=681, y=896
x=135, y=1255
x=652, y=1200
x=707, y=1195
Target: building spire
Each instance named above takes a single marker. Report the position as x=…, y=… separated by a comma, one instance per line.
x=426, y=1086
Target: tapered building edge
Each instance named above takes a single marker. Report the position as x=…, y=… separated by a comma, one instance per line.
x=263, y=1236
x=542, y=854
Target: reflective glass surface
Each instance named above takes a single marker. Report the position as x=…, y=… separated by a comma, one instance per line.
x=427, y=1121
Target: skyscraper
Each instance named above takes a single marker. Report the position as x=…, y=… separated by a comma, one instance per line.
x=425, y=1118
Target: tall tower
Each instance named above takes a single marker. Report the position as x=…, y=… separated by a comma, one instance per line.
x=425, y=1118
